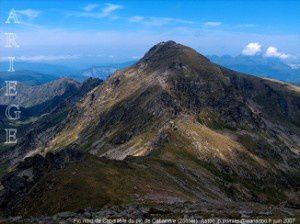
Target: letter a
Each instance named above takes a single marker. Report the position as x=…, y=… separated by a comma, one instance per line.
x=12, y=15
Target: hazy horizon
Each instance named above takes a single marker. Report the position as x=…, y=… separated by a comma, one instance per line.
x=108, y=32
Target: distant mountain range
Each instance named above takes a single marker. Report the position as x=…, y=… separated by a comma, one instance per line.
x=26, y=77
x=102, y=72
x=38, y=67
x=174, y=134
x=39, y=73
x=31, y=73
x=260, y=66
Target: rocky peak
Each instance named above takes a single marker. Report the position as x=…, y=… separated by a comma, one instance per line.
x=160, y=48
x=172, y=50
x=166, y=55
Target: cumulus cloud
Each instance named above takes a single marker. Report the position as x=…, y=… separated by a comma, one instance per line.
x=29, y=13
x=273, y=52
x=252, y=49
x=213, y=24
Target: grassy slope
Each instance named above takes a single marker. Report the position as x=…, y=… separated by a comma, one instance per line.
x=95, y=183
x=175, y=171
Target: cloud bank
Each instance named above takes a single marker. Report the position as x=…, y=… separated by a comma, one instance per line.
x=254, y=48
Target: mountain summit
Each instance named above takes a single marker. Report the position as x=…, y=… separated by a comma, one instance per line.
x=168, y=55
x=182, y=128
x=170, y=50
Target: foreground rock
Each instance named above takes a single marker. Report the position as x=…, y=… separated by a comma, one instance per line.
x=175, y=213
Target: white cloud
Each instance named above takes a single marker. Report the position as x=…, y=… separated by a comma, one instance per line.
x=273, y=52
x=29, y=13
x=158, y=21
x=89, y=11
x=90, y=7
x=38, y=58
x=213, y=24
x=110, y=8
x=252, y=49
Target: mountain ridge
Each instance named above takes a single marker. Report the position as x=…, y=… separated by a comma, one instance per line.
x=213, y=82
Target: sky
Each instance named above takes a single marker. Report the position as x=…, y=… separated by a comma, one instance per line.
x=96, y=32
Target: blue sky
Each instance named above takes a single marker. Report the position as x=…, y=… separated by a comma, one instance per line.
x=114, y=31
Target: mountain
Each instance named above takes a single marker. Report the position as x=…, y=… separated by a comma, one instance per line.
x=41, y=98
x=261, y=66
x=174, y=133
x=33, y=101
x=37, y=100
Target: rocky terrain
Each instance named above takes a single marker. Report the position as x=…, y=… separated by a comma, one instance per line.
x=34, y=101
x=47, y=106
x=174, y=128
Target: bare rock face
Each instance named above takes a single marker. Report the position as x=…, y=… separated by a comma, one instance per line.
x=174, y=127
